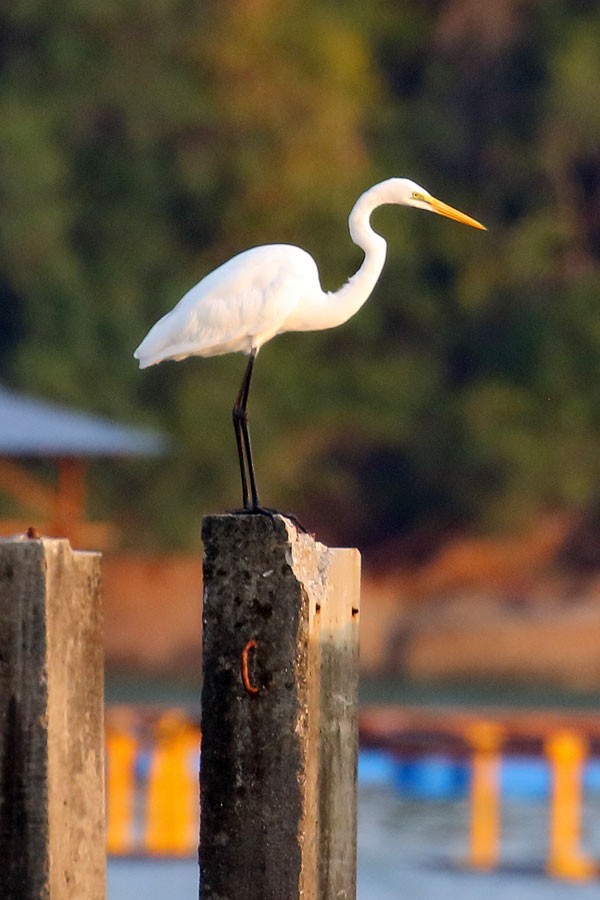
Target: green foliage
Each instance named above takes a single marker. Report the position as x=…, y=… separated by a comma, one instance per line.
x=144, y=143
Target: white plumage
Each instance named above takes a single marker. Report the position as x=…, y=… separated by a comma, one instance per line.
x=237, y=307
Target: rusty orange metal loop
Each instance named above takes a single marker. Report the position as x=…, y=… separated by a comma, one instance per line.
x=250, y=688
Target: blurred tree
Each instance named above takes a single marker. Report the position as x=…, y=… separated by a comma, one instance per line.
x=144, y=143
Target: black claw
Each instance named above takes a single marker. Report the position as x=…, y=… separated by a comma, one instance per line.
x=271, y=513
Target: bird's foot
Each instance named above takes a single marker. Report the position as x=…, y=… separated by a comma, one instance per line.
x=271, y=513
x=266, y=511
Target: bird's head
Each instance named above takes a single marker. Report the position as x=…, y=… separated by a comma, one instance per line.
x=409, y=193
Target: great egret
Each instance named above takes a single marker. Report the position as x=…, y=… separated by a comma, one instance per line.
x=267, y=290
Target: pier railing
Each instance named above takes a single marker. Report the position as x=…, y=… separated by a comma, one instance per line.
x=152, y=790
x=486, y=748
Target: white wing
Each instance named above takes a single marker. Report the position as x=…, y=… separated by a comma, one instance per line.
x=237, y=307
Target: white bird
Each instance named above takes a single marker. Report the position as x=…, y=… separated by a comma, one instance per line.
x=268, y=290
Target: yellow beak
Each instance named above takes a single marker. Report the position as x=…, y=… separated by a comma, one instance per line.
x=444, y=210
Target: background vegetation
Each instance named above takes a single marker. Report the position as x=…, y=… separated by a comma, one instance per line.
x=142, y=143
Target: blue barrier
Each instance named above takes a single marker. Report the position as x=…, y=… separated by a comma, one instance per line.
x=439, y=777
x=376, y=768
x=432, y=777
x=524, y=778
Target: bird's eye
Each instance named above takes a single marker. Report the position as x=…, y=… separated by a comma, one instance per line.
x=418, y=196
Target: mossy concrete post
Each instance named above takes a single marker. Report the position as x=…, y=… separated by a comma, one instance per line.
x=279, y=713
x=52, y=837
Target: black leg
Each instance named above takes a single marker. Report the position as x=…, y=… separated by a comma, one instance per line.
x=240, y=449
x=250, y=503
x=249, y=461
x=242, y=438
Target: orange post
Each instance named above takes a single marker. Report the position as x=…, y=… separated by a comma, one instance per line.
x=121, y=750
x=172, y=796
x=567, y=751
x=485, y=739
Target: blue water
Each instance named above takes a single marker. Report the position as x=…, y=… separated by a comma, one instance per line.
x=414, y=849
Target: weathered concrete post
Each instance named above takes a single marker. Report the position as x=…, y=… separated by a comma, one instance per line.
x=279, y=713
x=52, y=843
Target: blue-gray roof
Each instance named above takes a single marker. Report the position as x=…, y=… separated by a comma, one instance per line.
x=30, y=427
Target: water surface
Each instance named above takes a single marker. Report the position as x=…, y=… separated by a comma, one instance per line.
x=410, y=849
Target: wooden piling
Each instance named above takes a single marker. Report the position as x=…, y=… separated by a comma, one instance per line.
x=51, y=723
x=279, y=713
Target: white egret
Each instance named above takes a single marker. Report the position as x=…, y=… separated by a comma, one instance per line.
x=268, y=290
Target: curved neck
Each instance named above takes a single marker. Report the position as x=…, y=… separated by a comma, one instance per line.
x=357, y=290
